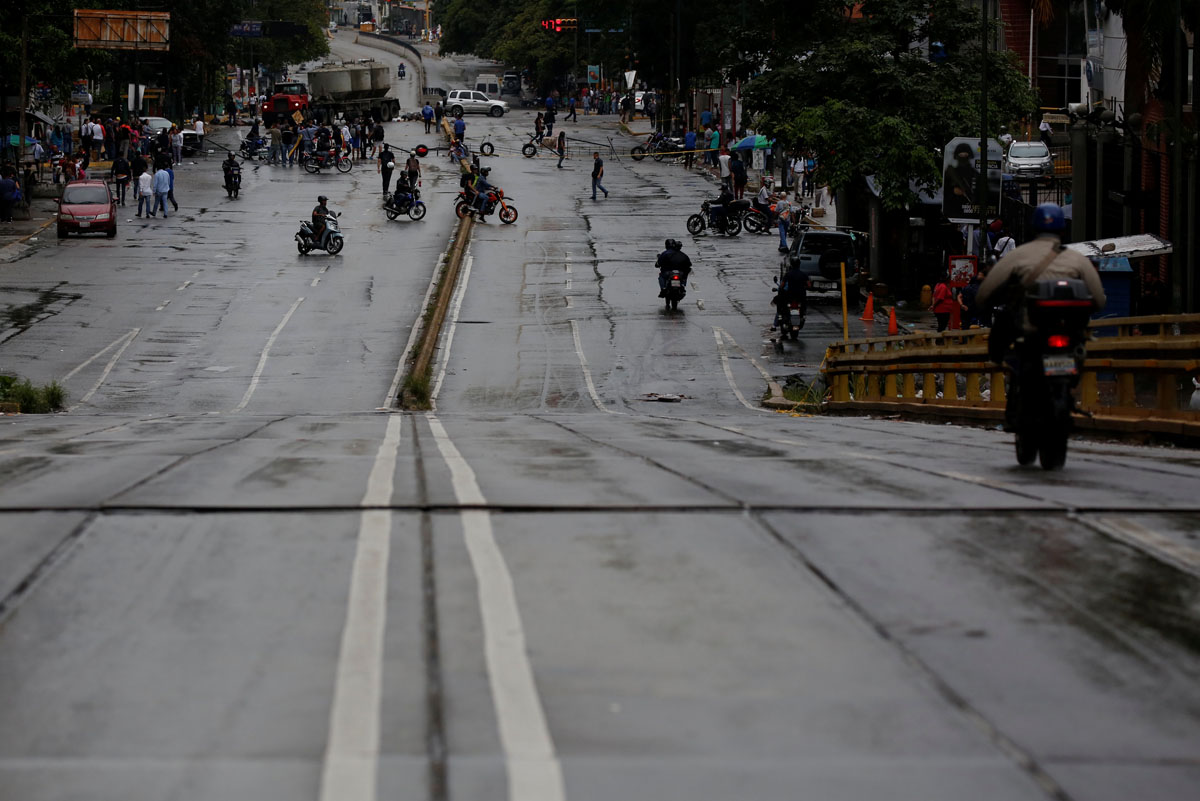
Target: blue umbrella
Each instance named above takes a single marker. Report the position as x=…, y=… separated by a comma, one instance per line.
x=755, y=142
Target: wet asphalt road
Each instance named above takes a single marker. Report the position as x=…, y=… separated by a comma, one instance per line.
x=227, y=574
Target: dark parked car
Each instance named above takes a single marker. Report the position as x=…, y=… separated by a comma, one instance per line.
x=87, y=207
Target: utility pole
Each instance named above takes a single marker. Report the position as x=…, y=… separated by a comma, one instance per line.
x=983, y=134
x=23, y=99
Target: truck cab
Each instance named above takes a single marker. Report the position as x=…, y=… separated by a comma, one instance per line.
x=285, y=100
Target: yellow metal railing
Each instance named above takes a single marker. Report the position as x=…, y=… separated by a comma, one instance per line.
x=1138, y=370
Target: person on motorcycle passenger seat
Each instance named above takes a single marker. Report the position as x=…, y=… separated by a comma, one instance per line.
x=319, y=215
x=1046, y=257
x=670, y=260
x=1003, y=282
x=716, y=208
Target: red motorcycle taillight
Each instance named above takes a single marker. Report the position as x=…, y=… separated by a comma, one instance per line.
x=1058, y=341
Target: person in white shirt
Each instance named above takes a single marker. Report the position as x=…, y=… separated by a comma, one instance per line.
x=145, y=193
x=1004, y=245
x=1005, y=137
x=1046, y=131
x=726, y=175
x=198, y=127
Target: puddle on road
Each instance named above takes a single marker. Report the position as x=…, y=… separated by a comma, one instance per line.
x=46, y=303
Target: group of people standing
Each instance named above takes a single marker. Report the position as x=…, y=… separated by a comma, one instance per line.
x=360, y=139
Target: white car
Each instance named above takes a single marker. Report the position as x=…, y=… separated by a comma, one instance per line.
x=158, y=123
x=1029, y=160
x=468, y=101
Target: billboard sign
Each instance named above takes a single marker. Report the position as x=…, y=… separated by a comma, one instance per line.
x=123, y=30
x=960, y=179
x=246, y=30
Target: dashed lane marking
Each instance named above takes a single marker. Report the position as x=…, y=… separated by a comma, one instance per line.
x=266, y=353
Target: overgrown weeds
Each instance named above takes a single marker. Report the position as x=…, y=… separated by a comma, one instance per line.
x=30, y=399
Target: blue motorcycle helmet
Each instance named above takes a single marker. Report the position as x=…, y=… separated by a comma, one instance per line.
x=1048, y=218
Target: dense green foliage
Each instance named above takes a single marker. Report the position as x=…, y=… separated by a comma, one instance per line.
x=864, y=94
x=32, y=399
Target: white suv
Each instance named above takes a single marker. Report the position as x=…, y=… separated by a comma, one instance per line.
x=468, y=101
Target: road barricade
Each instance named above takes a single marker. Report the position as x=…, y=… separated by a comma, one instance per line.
x=1137, y=377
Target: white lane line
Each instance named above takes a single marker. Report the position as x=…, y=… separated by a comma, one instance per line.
x=587, y=372
x=266, y=352
x=185, y=285
x=761, y=371
x=163, y=305
x=352, y=750
x=1148, y=541
x=389, y=401
x=116, y=357
x=729, y=373
x=448, y=337
x=534, y=772
x=100, y=353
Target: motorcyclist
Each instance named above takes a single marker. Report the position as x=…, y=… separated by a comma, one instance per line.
x=228, y=167
x=792, y=289
x=319, y=214
x=1008, y=282
x=670, y=260
x=716, y=208
x=482, y=187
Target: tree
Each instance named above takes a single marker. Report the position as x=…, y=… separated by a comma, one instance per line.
x=856, y=83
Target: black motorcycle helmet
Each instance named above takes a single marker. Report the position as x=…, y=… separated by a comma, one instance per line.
x=674, y=244
x=321, y=198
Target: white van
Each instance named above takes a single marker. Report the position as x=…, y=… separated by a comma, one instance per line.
x=489, y=84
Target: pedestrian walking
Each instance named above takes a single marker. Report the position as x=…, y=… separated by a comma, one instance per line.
x=723, y=166
x=783, y=213
x=562, y=149
x=1046, y=133
x=162, y=187
x=198, y=127
x=737, y=168
x=438, y=113
x=714, y=146
x=287, y=138
x=119, y=175
x=550, y=117
x=347, y=140
x=571, y=115
x=427, y=115
x=9, y=187
x=597, y=174
x=412, y=166
x=145, y=192
x=539, y=127
x=689, y=147
x=176, y=144
x=944, y=303
x=810, y=175
x=275, y=137
x=460, y=127
x=170, y=171
x=384, y=166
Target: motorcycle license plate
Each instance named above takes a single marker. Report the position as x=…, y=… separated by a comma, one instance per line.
x=676, y=282
x=1059, y=365
x=85, y=225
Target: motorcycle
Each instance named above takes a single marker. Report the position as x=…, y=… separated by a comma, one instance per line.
x=410, y=203
x=323, y=159
x=233, y=180
x=495, y=197
x=254, y=148
x=1049, y=363
x=727, y=224
x=751, y=219
x=658, y=146
x=675, y=290
x=790, y=316
x=307, y=241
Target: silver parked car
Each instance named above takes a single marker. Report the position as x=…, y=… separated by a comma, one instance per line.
x=1029, y=160
x=468, y=101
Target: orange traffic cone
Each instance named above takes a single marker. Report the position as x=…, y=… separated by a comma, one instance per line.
x=893, y=329
x=868, y=315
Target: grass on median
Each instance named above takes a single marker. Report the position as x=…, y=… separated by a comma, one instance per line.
x=30, y=399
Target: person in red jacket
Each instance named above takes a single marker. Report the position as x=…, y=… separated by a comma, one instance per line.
x=944, y=303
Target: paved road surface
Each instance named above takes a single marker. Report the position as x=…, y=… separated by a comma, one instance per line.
x=227, y=574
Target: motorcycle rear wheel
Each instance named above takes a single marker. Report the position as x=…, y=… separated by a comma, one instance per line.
x=344, y=164
x=659, y=155
x=1052, y=451
x=755, y=222
x=462, y=209
x=674, y=304
x=391, y=213
x=733, y=226
x=301, y=248
x=695, y=224
x=508, y=215
x=310, y=166
x=637, y=153
x=417, y=211
x=335, y=245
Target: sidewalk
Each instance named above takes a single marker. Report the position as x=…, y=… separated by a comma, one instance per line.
x=43, y=212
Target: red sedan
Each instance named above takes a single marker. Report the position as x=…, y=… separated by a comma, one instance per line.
x=87, y=206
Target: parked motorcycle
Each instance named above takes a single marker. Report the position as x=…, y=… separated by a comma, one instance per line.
x=495, y=198
x=410, y=203
x=1048, y=366
x=727, y=224
x=658, y=146
x=750, y=218
x=324, y=159
x=307, y=241
x=233, y=179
